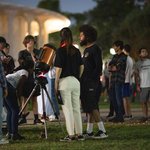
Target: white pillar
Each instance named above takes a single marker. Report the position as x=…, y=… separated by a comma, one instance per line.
x=10, y=32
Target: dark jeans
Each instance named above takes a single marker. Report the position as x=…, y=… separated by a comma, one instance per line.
x=117, y=99
x=11, y=105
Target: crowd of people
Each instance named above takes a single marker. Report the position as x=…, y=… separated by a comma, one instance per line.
x=76, y=78
x=120, y=75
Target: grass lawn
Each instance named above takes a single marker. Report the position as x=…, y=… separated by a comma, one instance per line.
x=121, y=137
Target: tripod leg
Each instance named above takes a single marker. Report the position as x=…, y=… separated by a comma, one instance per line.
x=28, y=99
x=44, y=113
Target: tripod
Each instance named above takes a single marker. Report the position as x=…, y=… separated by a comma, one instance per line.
x=42, y=81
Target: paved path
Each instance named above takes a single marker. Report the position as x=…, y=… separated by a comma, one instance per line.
x=136, y=113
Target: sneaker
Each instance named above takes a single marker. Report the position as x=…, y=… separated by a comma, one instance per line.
x=37, y=121
x=68, y=139
x=109, y=116
x=80, y=138
x=100, y=135
x=52, y=118
x=88, y=135
x=22, y=120
x=4, y=141
x=17, y=137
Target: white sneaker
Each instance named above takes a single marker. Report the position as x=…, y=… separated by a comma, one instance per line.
x=4, y=141
x=52, y=118
x=100, y=135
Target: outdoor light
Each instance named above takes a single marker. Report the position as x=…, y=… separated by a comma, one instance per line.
x=53, y=25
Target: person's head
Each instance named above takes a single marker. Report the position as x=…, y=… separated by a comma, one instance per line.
x=118, y=46
x=143, y=52
x=66, y=36
x=127, y=49
x=2, y=42
x=6, y=49
x=29, y=41
x=88, y=35
x=67, y=40
x=28, y=64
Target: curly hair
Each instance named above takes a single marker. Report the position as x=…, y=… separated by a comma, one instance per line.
x=89, y=32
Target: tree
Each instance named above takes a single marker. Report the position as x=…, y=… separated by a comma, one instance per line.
x=135, y=29
x=50, y=5
x=107, y=17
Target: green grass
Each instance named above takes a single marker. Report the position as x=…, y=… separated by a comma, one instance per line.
x=121, y=137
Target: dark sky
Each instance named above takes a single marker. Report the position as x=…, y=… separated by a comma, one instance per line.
x=74, y=6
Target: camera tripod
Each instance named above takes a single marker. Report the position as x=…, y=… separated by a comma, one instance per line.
x=42, y=81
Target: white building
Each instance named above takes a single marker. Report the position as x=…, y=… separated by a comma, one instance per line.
x=18, y=21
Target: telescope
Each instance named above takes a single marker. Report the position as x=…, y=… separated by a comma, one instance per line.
x=46, y=59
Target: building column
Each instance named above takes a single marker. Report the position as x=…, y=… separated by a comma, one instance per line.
x=10, y=32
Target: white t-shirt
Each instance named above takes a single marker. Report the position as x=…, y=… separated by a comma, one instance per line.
x=129, y=70
x=143, y=67
x=14, y=78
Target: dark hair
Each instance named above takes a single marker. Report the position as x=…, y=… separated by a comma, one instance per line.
x=89, y=32
x=28, y=63
x=66, y=36
x=67, y=40
x=27, y=39
x=3, y=41
x=139, y=51
x=127, y=48
x=118, y=43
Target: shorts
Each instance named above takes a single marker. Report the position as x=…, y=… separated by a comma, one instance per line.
x=145, y=94
x=127, y=90
x=90, y=94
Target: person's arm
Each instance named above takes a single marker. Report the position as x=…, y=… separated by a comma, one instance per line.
x=58, y=73
x=81, y=70
x=137, y=80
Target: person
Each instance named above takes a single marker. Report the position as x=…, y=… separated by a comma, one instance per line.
x=29, y=42
x=142, y=74
x=117, y=67
x=69, y=66
x=15, y=82
x=127, y=87
x=106, y=75
x=51, y=90
x=9, y=65
x=3, y=90
x=90, y=81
